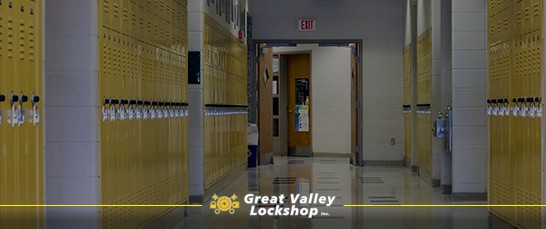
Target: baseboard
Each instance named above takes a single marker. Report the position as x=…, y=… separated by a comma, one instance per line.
x=336, y=155
x=384, y=163
x=407, y=162
x=498, y=222
x=425, y=175
x=265, y=158
x=414, y=169
x=461, y=196
x=197, y=199
x=224, y=182
x=446, y=189
x=169, y=220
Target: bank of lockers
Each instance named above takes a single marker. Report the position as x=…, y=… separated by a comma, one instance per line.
x=514, y=108
x=424, y=91
x=143, y=97
x=21, y=151
x=407, y=103
x=225, y=98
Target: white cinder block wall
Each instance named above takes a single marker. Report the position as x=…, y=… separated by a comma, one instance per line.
x=196, y=160
x=196, y=13
x=437, y=143
x=381, y=26
x=469, y=63
x=330, y=97
x=446, y=81
x=72, y=136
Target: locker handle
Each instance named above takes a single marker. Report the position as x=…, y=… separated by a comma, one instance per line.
x=24, y=99
x=161, y=104
x=529, y=100
x=147, y=103
x=514, y=100
x=106, y=101
x=154, y=103
x=2, y=98
x=505, y=101
x=521, y=100
x=132, y=102
x=140, y=102
x=124, y=102
x=35, y=99
x=537, y=100
x=14, y=98
x=114, y=101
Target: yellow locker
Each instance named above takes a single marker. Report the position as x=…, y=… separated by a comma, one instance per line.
x=20, y=134
x=143, y=87
x=424, y=91
x=515, y=66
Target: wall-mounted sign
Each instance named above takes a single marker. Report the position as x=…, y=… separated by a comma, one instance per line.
x=307, y=25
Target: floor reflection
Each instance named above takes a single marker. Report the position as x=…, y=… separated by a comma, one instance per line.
x=350, y=185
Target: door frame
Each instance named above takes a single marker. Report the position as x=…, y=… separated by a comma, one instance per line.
x=359, y=160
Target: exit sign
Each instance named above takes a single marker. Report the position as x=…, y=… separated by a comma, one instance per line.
x=307, y=25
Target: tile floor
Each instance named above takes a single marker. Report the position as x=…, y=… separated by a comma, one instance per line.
x=350, y=185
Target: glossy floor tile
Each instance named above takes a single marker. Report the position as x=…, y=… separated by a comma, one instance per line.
x=350, y=185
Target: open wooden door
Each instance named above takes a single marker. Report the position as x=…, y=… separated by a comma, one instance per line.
x=265, y=109
x=299, y=105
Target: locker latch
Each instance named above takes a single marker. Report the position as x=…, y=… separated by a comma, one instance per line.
x=495, y=111
x=139, y=108
x=22, y=114
x=131, y=111
x=123, y=109
x=145, y=113
x=538, y=107
x=105, y=109
x=153, y=113
x=34, y=112
x=167, y=110
x=2, y=99
x=502, y=108
x=489, y=108
x=170, y=110
x=161, y=110
x=114, y=114
x=515, y=108
x=176, y=110
x=522, y=108
x=531, y=107
x=506, y=107
x=13, y=112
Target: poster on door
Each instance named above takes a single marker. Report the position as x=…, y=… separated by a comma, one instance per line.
x=302, y=105
x=302, y=118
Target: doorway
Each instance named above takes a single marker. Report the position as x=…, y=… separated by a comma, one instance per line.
x=313, y=111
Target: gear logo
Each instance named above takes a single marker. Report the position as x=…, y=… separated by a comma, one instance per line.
x=224, y=204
